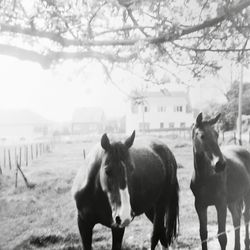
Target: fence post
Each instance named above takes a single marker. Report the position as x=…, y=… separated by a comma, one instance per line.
x=223, y=136
x=31, y=152
x=27, y=155
x=234, y=138
x=9, y=158
x=16, y=160
x=249, y=137
x=20, y=156
x=4, y=157
x=15, y=155
x=36, y=151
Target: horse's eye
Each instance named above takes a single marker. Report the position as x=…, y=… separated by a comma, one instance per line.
x=108, y=171
x=202, y=136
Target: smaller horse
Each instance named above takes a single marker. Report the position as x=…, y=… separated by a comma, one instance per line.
x=121, y=182
x=221, y=178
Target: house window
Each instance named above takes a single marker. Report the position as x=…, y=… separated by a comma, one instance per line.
x=146, y=109
x=161, y=109
x=162, y=125
x=171, y=125
x=143, y=126
x=178, y=108
x=134, y=109
x=182, y=125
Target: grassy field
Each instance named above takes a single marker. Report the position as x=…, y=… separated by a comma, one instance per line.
x=44, y=217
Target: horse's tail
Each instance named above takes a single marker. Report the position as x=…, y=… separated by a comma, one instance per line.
x=172, y=213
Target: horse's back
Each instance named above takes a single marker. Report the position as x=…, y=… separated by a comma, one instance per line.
x=237, y=155
x=153, y=172
x=152, y=151
x=238, y=164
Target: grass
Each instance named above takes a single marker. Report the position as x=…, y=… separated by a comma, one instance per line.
x=45, y=217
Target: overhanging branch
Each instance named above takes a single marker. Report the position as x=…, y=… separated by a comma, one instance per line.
x=171, y=36
x=49, y=57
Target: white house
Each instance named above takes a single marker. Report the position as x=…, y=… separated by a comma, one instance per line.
x=162, y=110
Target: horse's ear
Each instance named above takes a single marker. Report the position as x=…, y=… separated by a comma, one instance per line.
x=198, y=121
x=214, y=120
x=105, y=142
x=129, y=142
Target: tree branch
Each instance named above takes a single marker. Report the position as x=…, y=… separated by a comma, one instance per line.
x=171, y=36
x=210, y=49
x=135, y=22
x=49, y=57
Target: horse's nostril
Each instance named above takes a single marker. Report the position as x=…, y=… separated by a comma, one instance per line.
x=220, y=166
x=118, y=220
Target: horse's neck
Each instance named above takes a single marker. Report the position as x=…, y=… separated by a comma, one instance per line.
x=202, y=166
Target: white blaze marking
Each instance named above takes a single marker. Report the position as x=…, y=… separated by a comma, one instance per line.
x=125, y=209
x=215, y=159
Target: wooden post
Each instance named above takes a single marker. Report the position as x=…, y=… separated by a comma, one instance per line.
x=31, y=152
x=20, y=156
x=4, y=157
x=9, y=158
x=36, y=151
x=27, y=155
x=16, y=178
x=15, y=156
x=234, y=138
x=249, y=137
x=24, y=177
x=223, y=136
x=84, y=155
x=240, y=106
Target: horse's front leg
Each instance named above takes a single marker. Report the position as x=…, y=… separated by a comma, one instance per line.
x=202, y=214
x=117, y=235
x=221, y=216
x=235, y=209
x=86, y=231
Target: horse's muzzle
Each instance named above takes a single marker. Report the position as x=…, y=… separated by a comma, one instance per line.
x=220, y=166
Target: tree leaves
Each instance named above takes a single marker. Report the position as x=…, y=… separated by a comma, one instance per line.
x=183, y=33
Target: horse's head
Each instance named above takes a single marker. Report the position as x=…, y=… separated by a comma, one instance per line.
x=205, y=141
x=114, y=173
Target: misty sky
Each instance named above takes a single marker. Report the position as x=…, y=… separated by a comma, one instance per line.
x=56, y=93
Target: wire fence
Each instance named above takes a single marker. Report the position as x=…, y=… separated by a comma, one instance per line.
x=214, y=237
x=14, y=157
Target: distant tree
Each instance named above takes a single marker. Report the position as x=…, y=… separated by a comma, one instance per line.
x=229, y=110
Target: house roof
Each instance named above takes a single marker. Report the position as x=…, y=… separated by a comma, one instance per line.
x=88, y=115
x=166, y=93
x=21, y=117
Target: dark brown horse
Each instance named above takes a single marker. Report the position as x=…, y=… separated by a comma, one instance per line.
x=221, y=178
x=121, y=182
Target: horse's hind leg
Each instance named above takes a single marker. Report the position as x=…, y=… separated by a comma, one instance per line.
x=236, y=209
x=117, y=235
x=247, y=219
x=156, y=216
